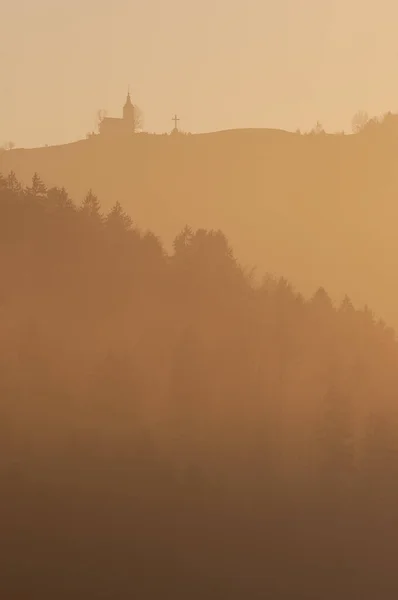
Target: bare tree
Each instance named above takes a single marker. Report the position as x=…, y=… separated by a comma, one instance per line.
x=318, y=129
x=101, y=114
x=8, y=145
x=138, y=118
x=359, y=121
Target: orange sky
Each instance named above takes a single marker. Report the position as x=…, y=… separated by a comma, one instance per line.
x=220, y=64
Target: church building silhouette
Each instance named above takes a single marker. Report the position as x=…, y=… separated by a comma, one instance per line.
x=116, y=126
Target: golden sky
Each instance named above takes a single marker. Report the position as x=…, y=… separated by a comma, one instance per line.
x=219, y=64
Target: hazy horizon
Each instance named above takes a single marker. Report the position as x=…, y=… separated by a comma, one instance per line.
x=279, y=66
x=199, y=358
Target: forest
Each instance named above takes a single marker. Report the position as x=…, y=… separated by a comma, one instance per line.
x=171, y=427
x=319, y=209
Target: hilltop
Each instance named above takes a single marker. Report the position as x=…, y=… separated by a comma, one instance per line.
x=319, y=209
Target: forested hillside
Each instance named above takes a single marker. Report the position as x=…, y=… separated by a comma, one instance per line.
x=317, y=209
x=170, y=428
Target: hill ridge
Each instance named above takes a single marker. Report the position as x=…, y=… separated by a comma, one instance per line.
x=319, y=209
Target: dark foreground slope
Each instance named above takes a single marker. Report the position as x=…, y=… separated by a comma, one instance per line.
x=320, y=209
x=168, y=430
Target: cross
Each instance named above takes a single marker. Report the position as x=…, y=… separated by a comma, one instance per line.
x=175, y=119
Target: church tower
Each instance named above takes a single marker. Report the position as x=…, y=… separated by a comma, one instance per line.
x=129, y=114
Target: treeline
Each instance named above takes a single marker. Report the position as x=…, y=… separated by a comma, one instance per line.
x=169, y=428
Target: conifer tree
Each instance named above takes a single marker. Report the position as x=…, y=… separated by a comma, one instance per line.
x=13, y=184
x=91, y=207
x=117, y=221
x=37, y=188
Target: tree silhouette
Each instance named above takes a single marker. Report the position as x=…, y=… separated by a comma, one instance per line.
x=59, y=197
x=13, y=184
x=101, y=115
x=138, y=118
x=117, y=220
x=182, y=242
x=91, y=207
x=346, y=306
x=37, y=189
x=359, y=121
x=208, y=414
x=9, y=145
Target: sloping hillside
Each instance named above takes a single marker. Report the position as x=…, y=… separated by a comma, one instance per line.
x=321, y=209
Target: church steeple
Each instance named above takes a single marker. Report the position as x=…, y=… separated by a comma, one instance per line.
x=129, y=112
x=128, y=99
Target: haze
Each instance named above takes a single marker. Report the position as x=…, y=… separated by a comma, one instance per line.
x=198, y=357
x=220, y=64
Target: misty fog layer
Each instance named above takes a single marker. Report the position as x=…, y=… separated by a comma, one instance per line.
x=171, y=428
x=318, y=209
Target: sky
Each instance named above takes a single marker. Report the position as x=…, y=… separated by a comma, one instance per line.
x=218, y=64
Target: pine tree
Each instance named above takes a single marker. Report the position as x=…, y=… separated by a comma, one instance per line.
x=37, y=189
x=60, y=198
x=91, y=207
x=13, y=184
x=346, y=306
x=182, y=242
x=321, y=301
x=117, y=221
x=3, y=182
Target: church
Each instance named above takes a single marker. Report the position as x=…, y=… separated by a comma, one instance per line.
x=124, y=126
